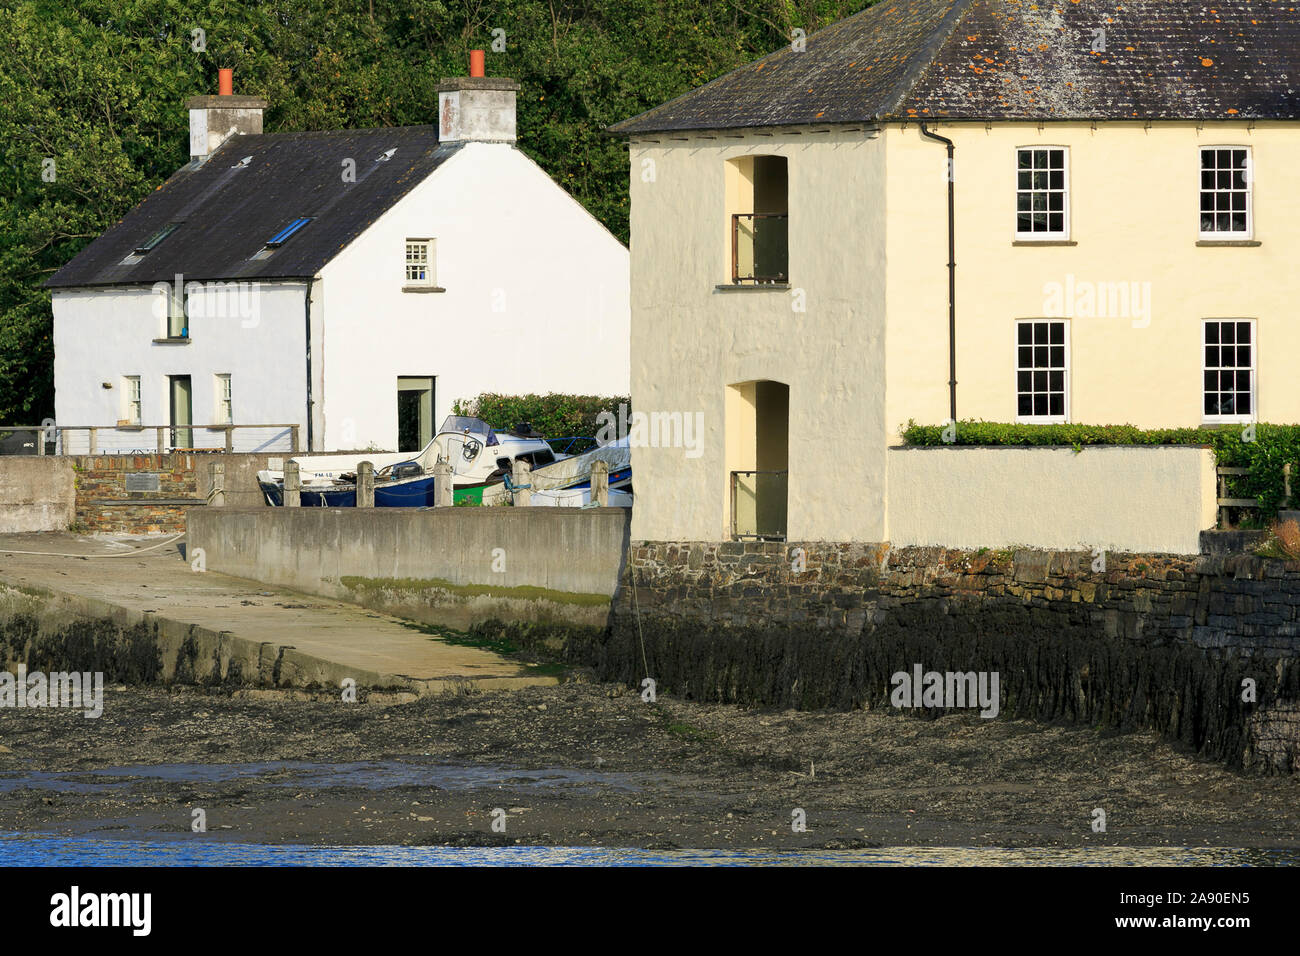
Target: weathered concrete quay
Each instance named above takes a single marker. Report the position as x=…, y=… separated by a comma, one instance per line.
x=205, y=627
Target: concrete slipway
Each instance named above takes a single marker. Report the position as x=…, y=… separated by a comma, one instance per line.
x=283, y=637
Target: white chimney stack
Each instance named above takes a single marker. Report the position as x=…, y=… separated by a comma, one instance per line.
x=214, y=119
x=476, y=108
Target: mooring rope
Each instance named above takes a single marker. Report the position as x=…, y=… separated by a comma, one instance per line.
x=636, y=609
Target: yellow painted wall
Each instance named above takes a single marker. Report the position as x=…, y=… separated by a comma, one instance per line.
x=1134, y=201
x=1136, y=499
x=868, y=255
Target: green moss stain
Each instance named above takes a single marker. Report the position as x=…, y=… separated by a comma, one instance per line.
x=525, y=592
x=543, y=649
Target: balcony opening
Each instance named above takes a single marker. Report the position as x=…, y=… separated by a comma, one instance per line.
x=758, y=219
x=758, y=458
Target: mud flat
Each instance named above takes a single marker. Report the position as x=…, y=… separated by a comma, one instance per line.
x=589, y=764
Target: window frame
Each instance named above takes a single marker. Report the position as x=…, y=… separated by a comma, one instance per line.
x=224, y=394
x=430, y=262
x=1220, y=235
x=176, y=324
x=1235, y=419
x=1064, y=417
x=132, y=395
x=1064, y=234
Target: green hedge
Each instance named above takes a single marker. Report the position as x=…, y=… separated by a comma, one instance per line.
x=1273, y=446
x=553, y=415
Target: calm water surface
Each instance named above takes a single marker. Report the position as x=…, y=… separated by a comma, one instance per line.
x=25, y=849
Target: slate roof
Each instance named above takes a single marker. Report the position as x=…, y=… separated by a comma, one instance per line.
x=1014, y=60
x=229, y=213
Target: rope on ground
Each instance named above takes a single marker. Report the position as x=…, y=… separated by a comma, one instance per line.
x=124, y=554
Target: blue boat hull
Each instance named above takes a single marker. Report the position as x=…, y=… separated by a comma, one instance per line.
x=414, y=493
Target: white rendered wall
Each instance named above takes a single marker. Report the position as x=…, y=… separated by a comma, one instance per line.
x=101, y=335
x=536, y=299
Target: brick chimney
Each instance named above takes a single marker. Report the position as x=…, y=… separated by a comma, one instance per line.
x=476, y=108
x=214, y=119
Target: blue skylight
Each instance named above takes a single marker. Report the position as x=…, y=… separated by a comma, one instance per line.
x=281, y=237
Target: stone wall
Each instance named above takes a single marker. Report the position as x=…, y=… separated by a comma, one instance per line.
x=151, y=493
x=135, y=494
x=1118, y=640
x=1238, y=602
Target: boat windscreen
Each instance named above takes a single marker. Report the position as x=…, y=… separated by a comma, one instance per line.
x=475, y=426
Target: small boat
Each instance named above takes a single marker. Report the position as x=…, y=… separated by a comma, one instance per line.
x=479, y=455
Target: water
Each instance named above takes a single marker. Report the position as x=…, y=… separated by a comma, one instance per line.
x=28, y=849
x=185, y=849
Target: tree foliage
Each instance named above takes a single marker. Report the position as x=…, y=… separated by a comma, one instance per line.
x=555, y=416
x=99, y=86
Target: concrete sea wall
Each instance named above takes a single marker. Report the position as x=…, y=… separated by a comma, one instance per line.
x=36, y=494
x=450, y=566
x=50, y=631
x=1202, y=649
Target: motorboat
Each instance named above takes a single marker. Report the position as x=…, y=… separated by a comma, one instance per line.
x=480, y=456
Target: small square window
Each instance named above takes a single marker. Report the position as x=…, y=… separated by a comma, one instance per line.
x=419, y=262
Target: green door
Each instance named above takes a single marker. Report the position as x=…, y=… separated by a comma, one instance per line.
x=182, y=412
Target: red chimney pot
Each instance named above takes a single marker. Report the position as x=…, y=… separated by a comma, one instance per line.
x=225, y=82
x=476, y=63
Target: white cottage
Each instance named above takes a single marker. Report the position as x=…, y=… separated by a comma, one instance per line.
x=353, y=283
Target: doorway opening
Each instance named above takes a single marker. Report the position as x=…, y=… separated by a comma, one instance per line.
x=181, y=410
x=414, y=412
x=758, y=459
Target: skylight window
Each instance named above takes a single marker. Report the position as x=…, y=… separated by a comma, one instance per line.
x=281, y=237
x=156, y=238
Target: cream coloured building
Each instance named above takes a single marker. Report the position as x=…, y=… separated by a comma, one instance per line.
x=1125, y=190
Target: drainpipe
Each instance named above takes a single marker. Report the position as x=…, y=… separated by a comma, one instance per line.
x=952, y=276
x=307, y=316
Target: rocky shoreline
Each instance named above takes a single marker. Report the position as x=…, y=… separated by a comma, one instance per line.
x=590, y=764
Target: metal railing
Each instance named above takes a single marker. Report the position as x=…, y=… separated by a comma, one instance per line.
x=758, y=505
x=147, y=439
x=760, y=248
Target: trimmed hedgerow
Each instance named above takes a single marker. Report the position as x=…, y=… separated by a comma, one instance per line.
x=554, y=415
x=1265, y=449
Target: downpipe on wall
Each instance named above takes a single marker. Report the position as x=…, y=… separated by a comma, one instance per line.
x=952, y=273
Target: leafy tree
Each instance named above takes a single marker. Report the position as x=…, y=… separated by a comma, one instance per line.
x=98, y=87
